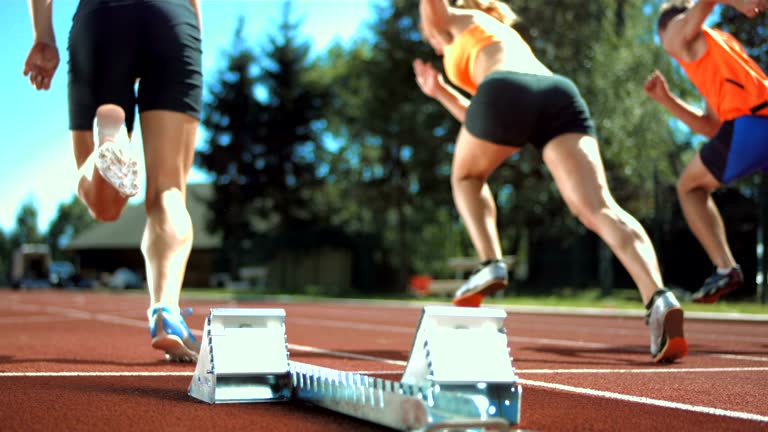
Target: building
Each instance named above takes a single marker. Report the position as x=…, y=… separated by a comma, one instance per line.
x=317, y=260
x=105, y=247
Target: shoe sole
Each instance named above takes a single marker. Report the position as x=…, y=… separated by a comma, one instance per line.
x=676, y=346
x=124, y=176
x=474, y=299
x=175, y=350
x=713, y=298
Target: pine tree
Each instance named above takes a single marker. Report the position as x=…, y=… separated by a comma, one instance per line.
x=229, y=119
x=287, y=162
x=263, y=149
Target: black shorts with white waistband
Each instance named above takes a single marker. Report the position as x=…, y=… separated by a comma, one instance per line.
x=114, y=43
x=513, y=108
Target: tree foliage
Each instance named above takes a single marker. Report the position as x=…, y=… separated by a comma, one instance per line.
x=262, y=148
x=71, y=219
x=26, y=229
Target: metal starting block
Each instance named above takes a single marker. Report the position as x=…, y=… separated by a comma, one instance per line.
x=243, y=357
x=459, y=374
x=464, y=353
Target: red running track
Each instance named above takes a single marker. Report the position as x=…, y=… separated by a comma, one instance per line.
x=82, y=361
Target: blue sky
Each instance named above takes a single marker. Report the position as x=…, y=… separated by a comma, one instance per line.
x=37, y=163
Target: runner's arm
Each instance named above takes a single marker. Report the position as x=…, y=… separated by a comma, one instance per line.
x=453, y=101
x=41, y=12
x=684, y=29
x=704, y=122
x=435, y=17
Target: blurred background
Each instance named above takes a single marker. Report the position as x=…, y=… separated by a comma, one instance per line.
x=322, y=169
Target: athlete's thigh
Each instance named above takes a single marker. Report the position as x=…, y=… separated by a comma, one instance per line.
x=477, y=158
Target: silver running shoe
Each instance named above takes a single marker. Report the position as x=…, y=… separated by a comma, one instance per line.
x=665, y=322
x=485, y=280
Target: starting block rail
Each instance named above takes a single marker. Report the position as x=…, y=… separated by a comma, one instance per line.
x=459, y=374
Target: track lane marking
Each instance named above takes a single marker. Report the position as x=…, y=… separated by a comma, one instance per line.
x=347, y=355
x=146, y=374
x=647, y=401
x=393, y=372
x=35, y=319
x=655, y=370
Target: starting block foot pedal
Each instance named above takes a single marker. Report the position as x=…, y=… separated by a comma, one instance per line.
x=243, y=357
x=463, y=355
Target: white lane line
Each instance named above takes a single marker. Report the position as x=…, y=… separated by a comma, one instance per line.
x=653, y=370
x=647, y=401
x=147, y=374
x=347, y=325
x=398, y=372
x=34, y=319
x=346, y=355
x=736, y=357
x=93, y=374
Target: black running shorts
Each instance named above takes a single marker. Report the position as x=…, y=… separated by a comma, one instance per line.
x=114, y=43
x=512, y=108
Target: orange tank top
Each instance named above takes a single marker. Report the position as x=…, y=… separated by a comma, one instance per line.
x=732, y=83
x=459, y=57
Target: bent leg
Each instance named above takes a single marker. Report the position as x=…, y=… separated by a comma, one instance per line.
x=104, y=202
x=694, y=190
x=575, y=163
x=473, y=161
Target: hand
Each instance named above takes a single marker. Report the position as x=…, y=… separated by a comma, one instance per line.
x=41, y=64
x=750, y=8
x=656, y=87
x=430, y=81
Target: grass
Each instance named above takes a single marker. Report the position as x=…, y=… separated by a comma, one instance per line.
x=564, y=297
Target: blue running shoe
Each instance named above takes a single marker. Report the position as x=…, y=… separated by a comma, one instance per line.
x=170, y=334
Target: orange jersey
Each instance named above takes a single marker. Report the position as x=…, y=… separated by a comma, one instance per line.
x=731, y=82
x=459, y=57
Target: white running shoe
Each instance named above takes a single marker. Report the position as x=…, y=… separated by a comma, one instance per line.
x=114, y=160
x=665, y=322
x=490, y=277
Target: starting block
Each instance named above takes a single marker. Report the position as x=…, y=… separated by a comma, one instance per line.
x=459, y=374
x=243, y=357
x=463, y=353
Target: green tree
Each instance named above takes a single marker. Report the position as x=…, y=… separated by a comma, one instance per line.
x=228, y=119
x=26, y=229
x=6, y=254
x=71, y=219
x=289, y=164
x=396, y=143
x=263, y=149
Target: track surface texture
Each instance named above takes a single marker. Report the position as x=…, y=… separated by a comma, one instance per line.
x=83, y=361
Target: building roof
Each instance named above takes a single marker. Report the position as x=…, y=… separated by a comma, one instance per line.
x=126, y=232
